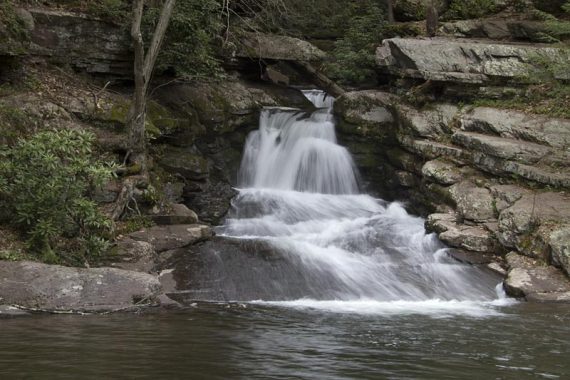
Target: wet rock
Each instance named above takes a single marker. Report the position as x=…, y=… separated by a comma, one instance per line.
x=188, y=164
x=164, y=238
x=517, y=125
x=471, y=258
x=7, y=311
x=538, y=284
x=461, y=61
x=53, y=287
x=560, y=248
x=454, y=234
x=507, y=149
x=429, y=123
x=473, y=202
x=175, y=214
x=497, y=268
x=442, y=172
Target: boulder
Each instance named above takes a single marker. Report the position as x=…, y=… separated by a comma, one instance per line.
x=185, y=163
x=164, y=238
x=519, y=224
x=175, y=214
x=463, y=62
x=134, y=255
x=560, y=247
x=454, y=234
x=432, y=122
x=365, y=114
x=275, y=47
x=496, y=29
x=473, y=202
x=504, y=148
x=54, y=287
x=517, y=125
x=442, y=172
x=537, y=283
x=506, y=195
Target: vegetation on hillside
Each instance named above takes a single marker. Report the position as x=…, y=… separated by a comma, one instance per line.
x=45, y=183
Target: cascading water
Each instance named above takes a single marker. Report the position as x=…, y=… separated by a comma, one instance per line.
x=336, y=249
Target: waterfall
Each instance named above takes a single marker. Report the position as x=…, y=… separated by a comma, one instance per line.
x=299, y=197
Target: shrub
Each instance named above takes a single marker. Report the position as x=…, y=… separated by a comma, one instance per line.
x=353, y=56
x=468, y=9
x=44, y=183
x=189, y=46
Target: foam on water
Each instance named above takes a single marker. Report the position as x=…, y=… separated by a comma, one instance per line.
x=300, y=195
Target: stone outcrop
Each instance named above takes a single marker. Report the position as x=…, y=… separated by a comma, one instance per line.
x=86, y=43
x=52, y=287
x=490, y=180
x=274, y=47
x=164, y=238
x=534, y=282
x=460, y=61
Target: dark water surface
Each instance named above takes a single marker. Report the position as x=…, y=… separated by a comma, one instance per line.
x=213, y=341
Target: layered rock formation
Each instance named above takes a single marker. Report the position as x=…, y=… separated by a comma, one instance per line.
x=490, y=180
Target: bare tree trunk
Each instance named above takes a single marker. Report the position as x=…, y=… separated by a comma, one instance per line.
x=143, y=67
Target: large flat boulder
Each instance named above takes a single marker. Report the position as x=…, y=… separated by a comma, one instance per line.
x=517, y=125
x=504, y=148
x=462, y=61
x=535, y=282
x=276, y=47
x=164, y=238
x=454, y=234
x=54, y=287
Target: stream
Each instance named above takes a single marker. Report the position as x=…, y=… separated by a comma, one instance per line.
x=307, y=279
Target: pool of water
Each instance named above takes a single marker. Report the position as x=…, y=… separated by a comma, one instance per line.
x=291, y=341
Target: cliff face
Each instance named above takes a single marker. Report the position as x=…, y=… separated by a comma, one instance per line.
x=492, y=181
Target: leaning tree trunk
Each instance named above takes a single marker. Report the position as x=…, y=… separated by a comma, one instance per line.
x=143, y=67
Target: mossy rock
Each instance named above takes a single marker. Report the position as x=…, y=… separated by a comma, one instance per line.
x=159, y=119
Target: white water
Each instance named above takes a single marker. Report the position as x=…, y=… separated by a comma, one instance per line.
x=300, y=194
